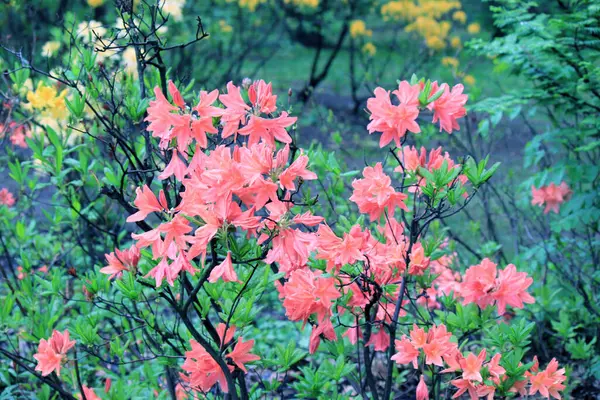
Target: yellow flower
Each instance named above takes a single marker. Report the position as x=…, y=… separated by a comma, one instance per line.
x=460, y=16
x=474, y=28
x=455, y=42
x=469, y=80
x=369, y=49
x=59, y=110
x=42, y=97
x=95, y=3
x=450, y=61
x=224, y=26
x=409, y=10
x=359, y=28
x=429, y=27
x=47, y=99
x=435, y=43
x=50, y=48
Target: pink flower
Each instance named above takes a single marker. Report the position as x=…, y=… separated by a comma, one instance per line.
x=548, y=382
x=394, y=120
x=261, y=96
x=202, y=119
x=268, y=129
x=338, y=251
x=380, y=340
x=147, y=203
x=175, y=167
x=449, y=107
x=418, y=261
x=119, y=261
x=235, y=112
x=481, y=286
x=494, y=368
x=179, y=122
x=89, y=394
x=203, y=372
x=161, y=117
x=406, y=352
x=306, y=293
x=435, y=345
x=463, y=386
x=18, y=133
x=163, y=271
x=241, y=353
x=422, y=391
x=52, y=352
x=552, y=195
x=295, y=170
x=256, y=127
x=224, y=271
x=471, y=366
x=353, y=334
x=6, y=198
x=325, y=329
x=374, y=194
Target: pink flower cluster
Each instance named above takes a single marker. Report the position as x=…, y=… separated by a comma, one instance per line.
x=203, y=372
x=7, y=198
x=374, y=193
x=18, y=133
x=121, y=260
x=412, y=160
x=477, y=376
x=484, y=285
x=226, y=188
x=394, y=120
x=435, y=345
x=548, y=382
x=552, y=196
x=51, y=353
x=307, y=293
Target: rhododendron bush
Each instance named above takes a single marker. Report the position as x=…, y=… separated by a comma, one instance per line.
x=170, y=239
x=226, y=221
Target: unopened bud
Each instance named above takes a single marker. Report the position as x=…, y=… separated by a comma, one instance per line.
x=246, y=83
x=290, y=92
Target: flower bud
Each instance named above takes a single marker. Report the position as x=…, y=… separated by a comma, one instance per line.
x=246, y=83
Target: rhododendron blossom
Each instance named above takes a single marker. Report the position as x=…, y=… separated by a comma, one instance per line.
x=548, y=382
x=484, y=285
x=422, y=391
x=257, y=128
x=307, y=292
x=449, y=107
x=552, y=196
x=436, y=346
x=17, y=133
x=203, y=371
x=6, y=198
x=51, y=353
x=147, y=203
x=224, y=271
x=374, y=193
x=89, y=394
x=394, y=120
x=121, y=260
